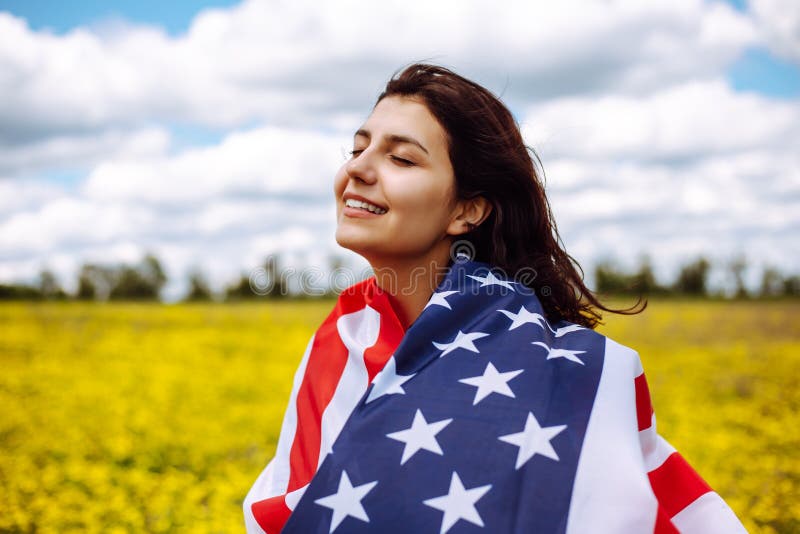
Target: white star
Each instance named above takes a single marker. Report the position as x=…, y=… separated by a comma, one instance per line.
x=459, y=503
x=566, y=329
x=346, y=501
x=533, y=440
x=388, y=382
x=438, y=299
x=552, y=353
x=491, y=382
x=491, y=280
x=524, y=316
x=462, y=341
x=421, y=435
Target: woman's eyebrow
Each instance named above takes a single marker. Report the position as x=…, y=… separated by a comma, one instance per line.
x=393, y=138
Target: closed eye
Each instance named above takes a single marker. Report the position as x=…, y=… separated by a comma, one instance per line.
x=402, y=161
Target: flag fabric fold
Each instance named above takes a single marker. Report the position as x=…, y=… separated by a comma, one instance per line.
x=482, y=416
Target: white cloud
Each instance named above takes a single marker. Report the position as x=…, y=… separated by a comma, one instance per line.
x=258, y=162
x=779, y=23
x=645, y=147
x=691, y=169
x=301, y=63
x=687, y=120
x=81, y=150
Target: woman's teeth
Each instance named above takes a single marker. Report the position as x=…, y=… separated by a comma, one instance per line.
x=352, y=203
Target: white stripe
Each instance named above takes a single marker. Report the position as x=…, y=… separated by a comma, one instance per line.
x=708, y=514
x=274, y=479
x=612, y=492
x=293, y=497
x=358, y=331
x=250, y=523
x=655, y=449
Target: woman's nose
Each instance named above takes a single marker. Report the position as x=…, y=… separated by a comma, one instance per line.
x=362, y=168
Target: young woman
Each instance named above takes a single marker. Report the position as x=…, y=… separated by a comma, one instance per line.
x=463, y=388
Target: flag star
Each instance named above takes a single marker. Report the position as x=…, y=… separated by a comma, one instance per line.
x=491, y=280
x=439, y=299
x=491, y=382
x=421, y=435
x=552, y=353
x=459, y=503
x=388, y=382
x=535, y=439
x=567, y=329
x=522, y=317
x=462, y=341
x=346, y=501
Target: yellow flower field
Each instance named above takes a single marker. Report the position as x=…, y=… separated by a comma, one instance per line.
x=157, y=418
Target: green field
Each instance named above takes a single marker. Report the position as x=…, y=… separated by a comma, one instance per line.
x=157, y=418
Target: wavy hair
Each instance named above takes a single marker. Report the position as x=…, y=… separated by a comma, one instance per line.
x=490, y=160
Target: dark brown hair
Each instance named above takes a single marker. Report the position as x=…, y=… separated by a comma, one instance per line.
x=491, y=160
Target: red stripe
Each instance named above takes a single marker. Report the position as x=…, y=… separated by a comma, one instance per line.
x=676, y=484
x=389, y=337
x=324, y=368
x=326, y=363
x=663, y=524
x=271, y=514
x=644, y=408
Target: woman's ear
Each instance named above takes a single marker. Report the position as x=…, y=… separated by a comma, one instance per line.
x=469, y=214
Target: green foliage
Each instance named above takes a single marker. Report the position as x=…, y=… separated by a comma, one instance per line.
x=693, y=277
x=199, y=290
x=610, y=279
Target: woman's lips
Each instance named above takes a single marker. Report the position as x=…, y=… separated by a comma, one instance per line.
x=359, y=213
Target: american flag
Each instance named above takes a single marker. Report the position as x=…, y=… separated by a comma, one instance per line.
x=482, y=417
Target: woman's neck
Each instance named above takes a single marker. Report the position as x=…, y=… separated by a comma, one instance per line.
x=410, y=284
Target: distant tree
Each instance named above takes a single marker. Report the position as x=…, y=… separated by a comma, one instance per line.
x=644, y=280
x=143, y=281
x=610, y=279
x=693, y=277
x=277, y=287
x=19, y=292
x=338, y=277
x=738, y=266
x=771, y=282
x=240, y=290
x=49, y=286
x=791, y=286
x=198, y=288
x=132, y=284
x=151, y=270
x=95, y=282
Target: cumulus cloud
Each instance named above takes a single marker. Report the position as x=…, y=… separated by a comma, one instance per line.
x=695, y=168
x=260, y=162
x=222, y=207
x=645, y=146
x=81, y=150
x=679, y=122
x=778, y=22
x=297, y=63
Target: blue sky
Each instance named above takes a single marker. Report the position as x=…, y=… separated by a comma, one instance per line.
x=60, y=17
x=667, y=129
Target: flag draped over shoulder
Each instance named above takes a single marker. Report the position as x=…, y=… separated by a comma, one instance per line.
x=483, y=416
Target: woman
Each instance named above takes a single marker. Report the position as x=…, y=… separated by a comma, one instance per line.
x=463, y=387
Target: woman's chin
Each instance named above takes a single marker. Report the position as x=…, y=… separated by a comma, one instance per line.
x=351, y=241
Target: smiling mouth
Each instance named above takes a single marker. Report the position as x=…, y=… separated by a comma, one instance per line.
x=366, y=206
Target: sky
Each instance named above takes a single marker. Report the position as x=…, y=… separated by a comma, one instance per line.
x=209, y=132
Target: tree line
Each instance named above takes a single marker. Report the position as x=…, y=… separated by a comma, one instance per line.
x=692, y=280
x=145, y=280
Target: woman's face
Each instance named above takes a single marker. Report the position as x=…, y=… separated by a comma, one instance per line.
x=401, y=167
